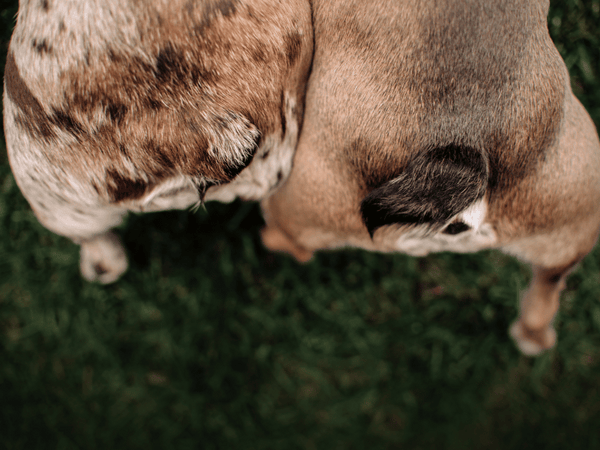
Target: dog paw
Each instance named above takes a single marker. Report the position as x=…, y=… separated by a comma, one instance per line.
x=532, y=342
x=103, y=258
x=277, y=241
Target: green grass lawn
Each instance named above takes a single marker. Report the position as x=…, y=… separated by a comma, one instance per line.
x=211, y=342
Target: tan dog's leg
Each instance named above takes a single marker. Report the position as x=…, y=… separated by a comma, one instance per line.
x=554, y=254
x=553, y=257
x=276, y=240
x=533, y=331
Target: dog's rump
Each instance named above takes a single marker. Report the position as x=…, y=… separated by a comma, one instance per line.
x=473, y=105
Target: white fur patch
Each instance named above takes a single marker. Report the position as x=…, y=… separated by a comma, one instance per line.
x=175, y=193
x=417, y=242
x=474, y=215
x=271, y=165
x=235, y=139
x=76, y=29
x=60, y=201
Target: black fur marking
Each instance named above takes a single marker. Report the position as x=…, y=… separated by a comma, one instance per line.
x=153, y=104
x=169, y=63
x=456, y=228
x=172, y=70
x=116, y=112
x=45, y=5
x=434, y=187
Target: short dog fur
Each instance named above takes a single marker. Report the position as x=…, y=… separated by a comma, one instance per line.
x=124, y=105
x=428, y=126
x=443, y=125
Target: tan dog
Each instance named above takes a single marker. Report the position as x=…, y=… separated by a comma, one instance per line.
x=119, y=105
x=444, y=125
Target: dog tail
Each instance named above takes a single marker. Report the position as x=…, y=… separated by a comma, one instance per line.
x=435, y=186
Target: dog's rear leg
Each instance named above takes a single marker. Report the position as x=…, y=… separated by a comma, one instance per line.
x=553, y=257
x=102, y=258
x=533, y=331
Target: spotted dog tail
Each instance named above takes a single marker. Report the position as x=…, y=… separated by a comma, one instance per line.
x=435, y=186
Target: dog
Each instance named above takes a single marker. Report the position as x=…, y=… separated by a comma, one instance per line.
x=443, y=125
x=113, y=106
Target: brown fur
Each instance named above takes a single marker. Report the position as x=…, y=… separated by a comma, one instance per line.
x=393, y=80
x=126, y=105
x=163, y=109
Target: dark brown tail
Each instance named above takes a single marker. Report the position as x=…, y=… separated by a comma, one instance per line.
x=434, y=187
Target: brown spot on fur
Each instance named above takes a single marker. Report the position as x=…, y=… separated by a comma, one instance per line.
x=293, y=47
x=224, y=7
x=212, y=9
x=554, y=275
x=259, y=55
x=100, y=269
x=170, y=65
x=181, y=105
x=113, y=56
x=65, y=121
x=45, y=5
x=42, y=47
x=160, y=156
x=121, y=188
x=282, y=115
x=32, y=117
x=116, y=112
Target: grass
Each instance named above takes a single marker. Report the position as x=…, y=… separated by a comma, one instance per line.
x=209, y=341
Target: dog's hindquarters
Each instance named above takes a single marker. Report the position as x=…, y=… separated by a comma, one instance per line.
x=395, y=86
x=558, y=226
